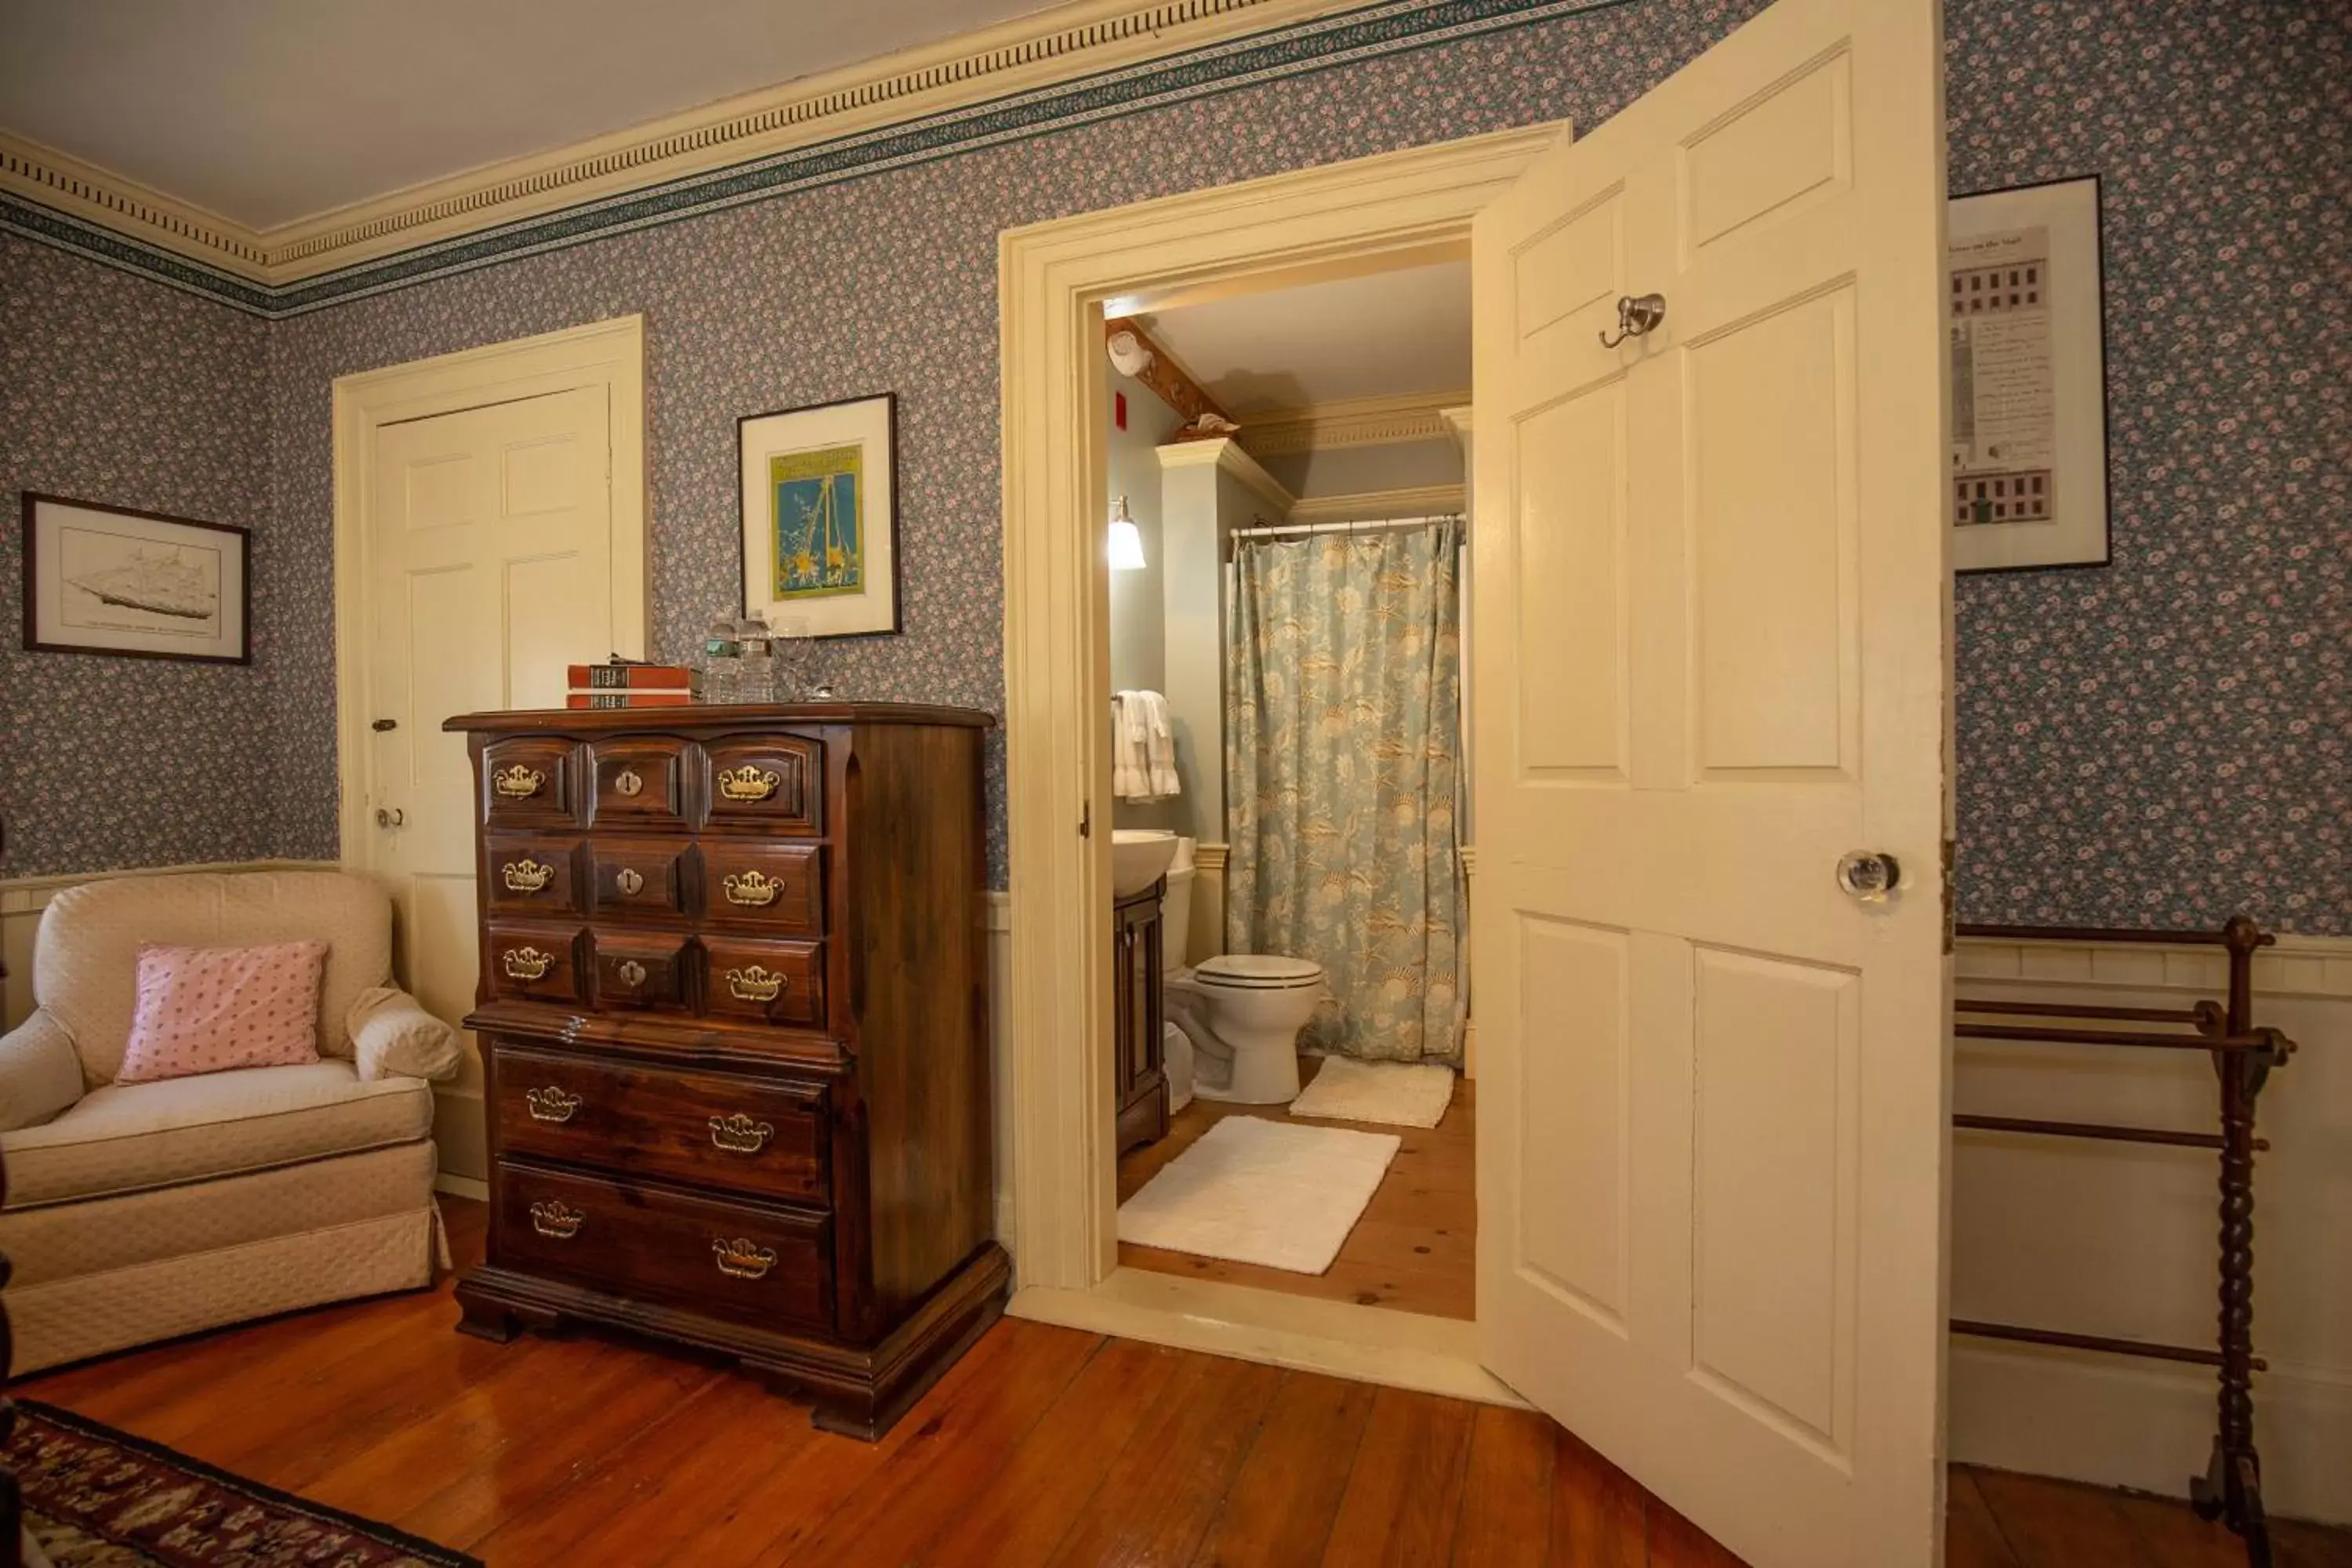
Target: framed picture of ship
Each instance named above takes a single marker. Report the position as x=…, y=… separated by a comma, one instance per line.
x=134, y=584
x=821, y=516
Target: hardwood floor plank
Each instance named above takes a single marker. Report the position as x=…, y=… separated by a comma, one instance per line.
x=1280, y=1507
x=1507, y=1498
x=1676, y=1542
x=1404, y=1496
x=525, y=1398
x=727, y=1459
x=604, y=1481
x=953, y=1458
x=2172, y=1535
x=1156, y=1502
x=1973, y=1538
x=539, y=1468
x=2300, y=1546
x=2060, y=1524
x=769, y=1520
x=1021, y=1517
x=1599, y=1516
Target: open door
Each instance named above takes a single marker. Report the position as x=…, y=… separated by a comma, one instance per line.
x=1715, y=663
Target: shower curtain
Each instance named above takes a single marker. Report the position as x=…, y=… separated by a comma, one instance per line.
x=1342, y=766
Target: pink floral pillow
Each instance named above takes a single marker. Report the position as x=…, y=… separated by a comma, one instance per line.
x=207, y=1009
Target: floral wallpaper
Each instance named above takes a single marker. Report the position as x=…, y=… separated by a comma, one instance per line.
x=115, y=390
x=2160, y=742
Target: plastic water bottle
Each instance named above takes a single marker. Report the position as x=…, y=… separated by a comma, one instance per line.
x=755, y=673
x=722, y=663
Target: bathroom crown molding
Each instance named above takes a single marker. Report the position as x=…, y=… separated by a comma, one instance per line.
x=1356, y=422
x=1225, y=452
x=1076, y=64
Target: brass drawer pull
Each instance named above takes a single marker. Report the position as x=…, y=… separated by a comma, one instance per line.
x=518, y=783
x=756, y=983
x=753, y=890
x=551, y=1217
x=551, y=1104
x=628, y=881
x=739, y=1134
x=630, y=973
x=747, y=783
x=627, y=782
x=741, y=1258
x=526, y=964
x=527, y=876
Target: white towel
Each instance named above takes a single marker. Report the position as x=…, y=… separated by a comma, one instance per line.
x=1143, y=748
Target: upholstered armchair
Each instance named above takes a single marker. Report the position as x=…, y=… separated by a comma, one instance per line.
x=137, y=1212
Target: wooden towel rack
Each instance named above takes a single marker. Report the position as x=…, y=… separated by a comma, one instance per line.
x=2243, y=1058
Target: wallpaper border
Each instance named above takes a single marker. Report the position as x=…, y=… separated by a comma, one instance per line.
x=1391, y=27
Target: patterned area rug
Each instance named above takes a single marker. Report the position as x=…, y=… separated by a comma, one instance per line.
x=97, y=1498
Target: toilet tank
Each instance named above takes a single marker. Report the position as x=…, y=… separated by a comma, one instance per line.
x=1176, y=909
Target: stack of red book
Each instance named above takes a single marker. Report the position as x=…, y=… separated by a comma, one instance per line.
x=630, y=686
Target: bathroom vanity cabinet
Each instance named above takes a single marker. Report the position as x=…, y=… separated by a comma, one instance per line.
x=733, y=1021
x=1139, y=1075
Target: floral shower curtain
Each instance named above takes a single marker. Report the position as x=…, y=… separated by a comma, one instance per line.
x=1343, y=707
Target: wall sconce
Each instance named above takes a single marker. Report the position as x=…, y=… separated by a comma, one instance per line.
x=1126, y=540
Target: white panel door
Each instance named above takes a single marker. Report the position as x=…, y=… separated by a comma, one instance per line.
x=1713, y=659
x=488, y=569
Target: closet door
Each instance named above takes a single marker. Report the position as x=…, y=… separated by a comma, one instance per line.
x=1713, y=670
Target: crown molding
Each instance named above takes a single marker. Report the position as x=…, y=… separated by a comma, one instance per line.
x=1357, y=422
x=1037, y=50
x=1372, y=506
x=1225, y=453
x=1076, y=65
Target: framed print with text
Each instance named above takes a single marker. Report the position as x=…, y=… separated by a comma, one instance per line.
x=137, y=584
x=821, y=517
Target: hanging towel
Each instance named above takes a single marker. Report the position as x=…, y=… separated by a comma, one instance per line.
x=1143, y=748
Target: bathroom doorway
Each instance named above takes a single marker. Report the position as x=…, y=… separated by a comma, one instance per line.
x=1286, y=530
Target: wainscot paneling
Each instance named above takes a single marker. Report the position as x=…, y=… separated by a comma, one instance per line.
x=2119, y=1239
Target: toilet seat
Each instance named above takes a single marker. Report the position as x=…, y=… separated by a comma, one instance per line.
x=1258, y=972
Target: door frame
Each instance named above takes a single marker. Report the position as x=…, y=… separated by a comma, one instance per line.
x=1366, y=215
x=608, y=354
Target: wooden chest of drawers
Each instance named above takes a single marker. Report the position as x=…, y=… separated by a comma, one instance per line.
x=733, y=1021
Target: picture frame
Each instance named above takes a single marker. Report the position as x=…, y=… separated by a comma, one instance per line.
x=820, y=517
x=2027, y=323
x=128, y=583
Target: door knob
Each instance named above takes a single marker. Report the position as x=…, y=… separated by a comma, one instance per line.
x=1869, y=875
x=391, y=818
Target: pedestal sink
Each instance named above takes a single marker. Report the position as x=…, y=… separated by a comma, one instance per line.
x=1139, y=858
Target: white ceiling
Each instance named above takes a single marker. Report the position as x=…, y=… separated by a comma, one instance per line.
x=1381, y=335
x=269, y=110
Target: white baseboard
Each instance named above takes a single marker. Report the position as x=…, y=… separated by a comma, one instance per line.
x=2116, y=1423
x=459, y=1186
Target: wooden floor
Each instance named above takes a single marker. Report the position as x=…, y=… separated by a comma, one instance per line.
x=1042, y=1446
x=1413, y=1249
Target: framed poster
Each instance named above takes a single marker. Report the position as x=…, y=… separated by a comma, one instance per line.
x=821, y=516
x=136, y=585
x=2029, y=475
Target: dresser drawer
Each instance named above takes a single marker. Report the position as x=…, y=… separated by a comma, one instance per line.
x=765, y=886
x=531, y=874
x=535, y=961
x=764, y=982
x=526, y=782
x=750, y=1135
x=634, y=877
x=638, y=782
x=747, y=1262
x=640, y=970
x=767, y=781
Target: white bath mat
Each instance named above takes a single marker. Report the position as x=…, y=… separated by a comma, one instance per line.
x=1398, y=1094
x=1255, y=1190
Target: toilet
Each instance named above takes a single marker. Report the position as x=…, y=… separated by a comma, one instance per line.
x=1237, y=1016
